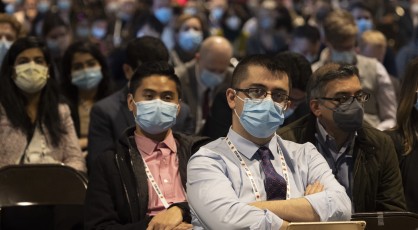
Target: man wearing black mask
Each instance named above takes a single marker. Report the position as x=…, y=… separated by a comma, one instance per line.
x=362, y=158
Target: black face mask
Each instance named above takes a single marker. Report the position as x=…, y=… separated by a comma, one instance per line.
x=349, y=118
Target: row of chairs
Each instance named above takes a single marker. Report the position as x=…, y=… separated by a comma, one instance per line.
x=51, y=197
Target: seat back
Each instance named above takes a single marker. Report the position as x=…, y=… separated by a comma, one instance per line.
x=41, y=196
x=41, y=184
x=388, y=220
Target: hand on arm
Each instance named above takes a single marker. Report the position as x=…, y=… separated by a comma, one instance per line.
x=167, y=219
x=314, y=188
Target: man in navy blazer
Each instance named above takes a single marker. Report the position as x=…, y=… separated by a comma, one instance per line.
x=110, y=116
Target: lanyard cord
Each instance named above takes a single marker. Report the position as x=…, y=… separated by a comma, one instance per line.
x=249, y=174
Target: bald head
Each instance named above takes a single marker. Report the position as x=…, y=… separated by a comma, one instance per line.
x=216, y=45
x=214, y=54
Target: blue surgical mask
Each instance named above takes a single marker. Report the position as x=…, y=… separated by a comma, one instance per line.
x=10, y=8
x=164, y=14
x=4, y=47
x=87, y=78
x=42, y=7
x=211, y=79
x=261, y=118
x=64, y=5
x=233, y=23
x=348, y=57
x=155, y=116
x=311, y=58
x=190, y=10
x=190, y=40
x=266, y=23
x=217, y=13
x=124, y=16
x=98, y=32
x=82, y=32
x=364, y=25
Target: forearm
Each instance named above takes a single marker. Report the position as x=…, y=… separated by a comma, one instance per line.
x=298, y=209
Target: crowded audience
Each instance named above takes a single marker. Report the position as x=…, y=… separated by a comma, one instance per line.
x=163, y=104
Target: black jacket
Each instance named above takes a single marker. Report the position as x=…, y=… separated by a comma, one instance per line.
x=377, y=180
x=117, y=194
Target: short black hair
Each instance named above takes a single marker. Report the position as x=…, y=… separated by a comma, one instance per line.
x=51, y=21
x=145, y=49
x=297, y=67
x=307, y=31
x=328, y=72
x=148, y=69
x=263, y=60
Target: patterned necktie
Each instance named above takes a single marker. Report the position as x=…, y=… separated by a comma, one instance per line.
x=274, y=184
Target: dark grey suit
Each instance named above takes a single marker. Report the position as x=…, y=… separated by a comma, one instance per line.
x=110, y=117
x=189, y=84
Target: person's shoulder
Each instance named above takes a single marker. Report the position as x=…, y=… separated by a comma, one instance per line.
x=111, y=100
x=367, y=61
x=372, y=138
x=184, y=71
x=209, y=149
x=193, y=141
x=294, y=148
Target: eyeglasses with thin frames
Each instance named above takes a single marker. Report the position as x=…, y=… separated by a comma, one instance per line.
x=347, y=100
x=259, y=94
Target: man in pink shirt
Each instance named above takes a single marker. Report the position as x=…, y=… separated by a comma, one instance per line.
x=142, y=184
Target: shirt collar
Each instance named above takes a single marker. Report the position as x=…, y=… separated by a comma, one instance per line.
x=246, y=147
x=148, y=146
x=330, y=140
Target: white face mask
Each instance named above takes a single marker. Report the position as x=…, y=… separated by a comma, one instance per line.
x=31, y=77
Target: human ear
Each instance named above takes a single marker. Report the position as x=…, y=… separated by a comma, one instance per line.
x=230, y=97
x=131, y=102
x=314, y=106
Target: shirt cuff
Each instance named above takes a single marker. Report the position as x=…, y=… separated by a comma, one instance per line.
x=270, y=221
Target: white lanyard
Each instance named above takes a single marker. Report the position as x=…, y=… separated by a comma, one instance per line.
x=155, y=185
x=249, y=174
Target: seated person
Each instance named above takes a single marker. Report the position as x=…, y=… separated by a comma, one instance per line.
x=119, y=194
x=253, y=179
x=362, y=158
x=35, y=123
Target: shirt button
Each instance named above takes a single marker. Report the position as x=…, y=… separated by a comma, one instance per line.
x=165, y=181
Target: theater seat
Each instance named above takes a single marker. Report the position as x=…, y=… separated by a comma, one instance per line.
x=41, y=196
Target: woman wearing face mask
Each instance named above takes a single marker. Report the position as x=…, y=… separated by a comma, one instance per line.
x=35, y=127
x=57, y=34
x=190, y=32
x=231, y=27
x=85, y=80
x=405, y=134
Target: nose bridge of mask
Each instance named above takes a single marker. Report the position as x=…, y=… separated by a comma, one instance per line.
x=25, y=67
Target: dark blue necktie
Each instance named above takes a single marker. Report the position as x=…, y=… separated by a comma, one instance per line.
x=274, y=184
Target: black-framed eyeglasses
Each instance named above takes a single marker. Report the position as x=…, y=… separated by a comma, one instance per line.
x=260, y=93
x=347, y=100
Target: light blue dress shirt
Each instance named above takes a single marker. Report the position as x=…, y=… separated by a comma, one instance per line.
x=219, y=191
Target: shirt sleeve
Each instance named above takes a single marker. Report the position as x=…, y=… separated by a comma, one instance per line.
x=214, y=201
x=333, y=203
x=386, y=99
